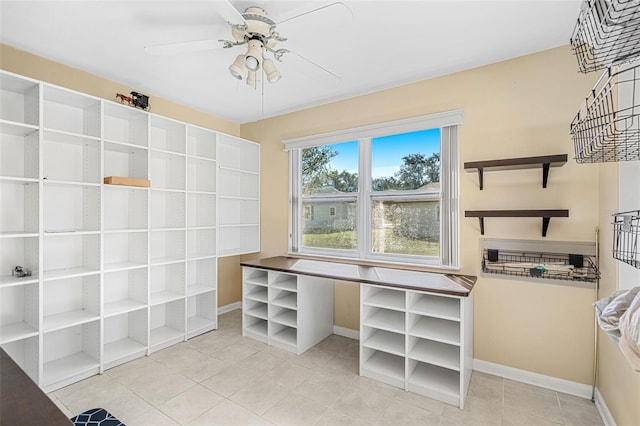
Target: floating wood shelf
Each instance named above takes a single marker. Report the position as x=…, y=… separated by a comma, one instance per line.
x=546, y=216
x=544, y=161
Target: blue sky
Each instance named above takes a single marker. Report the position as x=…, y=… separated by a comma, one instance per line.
x=387, y=151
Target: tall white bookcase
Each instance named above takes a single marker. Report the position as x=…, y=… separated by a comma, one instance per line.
x=117, y=272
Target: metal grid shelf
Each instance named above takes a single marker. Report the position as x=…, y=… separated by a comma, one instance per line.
x=607, y=33
x=607, y=127
x=626, y=237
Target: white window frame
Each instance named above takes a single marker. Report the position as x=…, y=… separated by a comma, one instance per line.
x=448, y=122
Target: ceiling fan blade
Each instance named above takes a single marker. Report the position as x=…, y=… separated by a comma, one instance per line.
x=182, y=47
x=320, y=67
x=229, y=13
x=327, y=6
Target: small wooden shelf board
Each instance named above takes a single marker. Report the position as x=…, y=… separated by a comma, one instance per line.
x=118, y=180
x=546, y=216
x=544, y=161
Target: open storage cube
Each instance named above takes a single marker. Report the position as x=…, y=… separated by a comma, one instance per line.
x=201, y=276
x=201, y=243
x=18, y=252
x=19, y=313
x=167, y=209
x=235, y=240
x=237, y=184
x=124, y=291
x=125, y=124
x=125, y=250
x=71, y=255
x=383, y=366
x=71, y=112
x=239, y=212
x=201, y=210
x=167, y=283
x=201, y=143
x=19, y=209
x=238, y=154
x=19, y=99
x=70, y=355
x=433, y=381
x=19, y=152
x=26, y=354
x=255, y=328
x=168, y=135
x=71, y=208
x=70, y=301
x=125, y=208
x=167, y=171
x=201, y=313
x=71, y=158
x=126, y=161
x=167, y=324
x=202, y=175
x=125, y=337
x=167, y=246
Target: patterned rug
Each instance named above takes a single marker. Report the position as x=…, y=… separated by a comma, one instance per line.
x=96, y=417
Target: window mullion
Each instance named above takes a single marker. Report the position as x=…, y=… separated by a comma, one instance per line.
x=364, y=205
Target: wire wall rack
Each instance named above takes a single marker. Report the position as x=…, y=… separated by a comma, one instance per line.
x=607, y=126
x=607, y=33
x=626, y=237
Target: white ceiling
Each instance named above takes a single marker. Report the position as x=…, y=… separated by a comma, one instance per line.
x=384, y=44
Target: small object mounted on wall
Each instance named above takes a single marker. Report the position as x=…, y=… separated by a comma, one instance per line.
x=20, y=272
x=136, y=100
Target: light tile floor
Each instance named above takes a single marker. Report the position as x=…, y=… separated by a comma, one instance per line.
x=222, y=378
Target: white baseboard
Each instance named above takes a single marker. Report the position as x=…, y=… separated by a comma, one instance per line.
x=553, y=383
x=346, y=332
x=230, y=307
x=603, y=410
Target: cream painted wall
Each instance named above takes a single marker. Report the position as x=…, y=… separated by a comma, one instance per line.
x=514, y=108
x=39, y=68
x=617, y=382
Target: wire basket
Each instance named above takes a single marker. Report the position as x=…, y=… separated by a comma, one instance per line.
x=554, y=266
x=607, y=33
x=626, y=237
x=607, y=127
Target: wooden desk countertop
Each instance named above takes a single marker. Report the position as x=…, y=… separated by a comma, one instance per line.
x=22, y=402
x=453, y=284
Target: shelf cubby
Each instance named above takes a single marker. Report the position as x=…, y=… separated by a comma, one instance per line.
x=167, y=324
x=201, y=210
x=19, y=207
x=125, y=208
x=238, y=239
x=125, y=338
x=167, y=209
x=235, y=153
x=284, y=316
x=434, y=353
x=70, y=302
x=283, y=336
x=436, y=329
x=434, y=306
x=201, y=314
x=255, y=276
x=255, y=328
x=19, y=252
x=124, y=291
x=201, y=243
x=167, y=171
x=70, y=355
x=126, y=161
x=201, y=276
x=19, y=316
x=434, y=382
x=71, y=256
x=384, y=298
x=71, y=208
x=25, y=353
x=201, y=176
x=383, y=366
x=283, y=298
x=125, y=124
x=167, y=283
x=256, y=293
x=125, y=250
x=19, y=99
x=385, y=341
x=201, y=143
x=239, y=212
x=71, y=158
x=168, y=135
x=19, y=151
x=167, y=247
x=384, y=319
x=237, y=184
x=284, y=282
x=71, y=112
x=256, y=309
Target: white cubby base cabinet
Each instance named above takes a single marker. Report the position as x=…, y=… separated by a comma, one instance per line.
x=288, y=311
x=417, y=341
x=113, y=272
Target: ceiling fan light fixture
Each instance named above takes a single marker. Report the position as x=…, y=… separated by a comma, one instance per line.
x=252, y=79
x=237, y=68
x=253, y=56
x=270, y=71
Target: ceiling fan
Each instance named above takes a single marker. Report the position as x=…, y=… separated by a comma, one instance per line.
x=254, y=30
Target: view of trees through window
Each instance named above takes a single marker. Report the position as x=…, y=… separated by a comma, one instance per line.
x=403, y=199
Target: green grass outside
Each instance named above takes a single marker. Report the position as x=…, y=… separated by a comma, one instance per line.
x=394, y=244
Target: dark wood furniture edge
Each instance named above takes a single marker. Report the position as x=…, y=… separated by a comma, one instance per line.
x=543, y=161
x=546, y=216
x=465, y=281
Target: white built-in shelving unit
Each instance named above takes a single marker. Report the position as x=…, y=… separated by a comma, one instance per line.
x=291, y=312
x=417, y=341
x=117, y=272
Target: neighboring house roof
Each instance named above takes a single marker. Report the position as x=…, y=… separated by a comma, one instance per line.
x=327, y=190
x=432, y=186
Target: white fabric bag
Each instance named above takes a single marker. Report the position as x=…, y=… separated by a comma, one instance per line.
x=630, y=333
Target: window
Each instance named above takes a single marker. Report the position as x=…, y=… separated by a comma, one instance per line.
x=384, y=192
